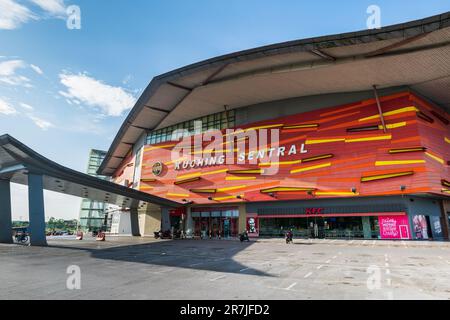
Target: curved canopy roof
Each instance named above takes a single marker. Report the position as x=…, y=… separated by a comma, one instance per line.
x=414, y=54
x=17, y=160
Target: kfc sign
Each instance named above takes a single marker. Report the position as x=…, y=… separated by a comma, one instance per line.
x=314, y=211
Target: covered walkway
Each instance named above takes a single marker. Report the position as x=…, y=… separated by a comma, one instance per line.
x=20, y=164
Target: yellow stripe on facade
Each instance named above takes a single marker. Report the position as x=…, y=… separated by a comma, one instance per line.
x=214, y=151
x=321, y=157
x=446, y=139
x=248, y=171
x=301, y=126
x=160, y=147
x=239, y=178
x=200, y=174
x=324, y=141
x=287, y=189
x=146, y=188
x=324, y=165
x=386, y=176
x=230, y=188
x=265, y=127
x=446, y=191
x=432, y=156
x=203, y=190
x=391, y=113
x=337, y=193
x=254, y=128
x=214, y=172
x=393, y=125
x=404, y=150
x=190, y=175
x=268, y=164
x=386, y=137
x=397, y=162
x=180, y=195
x=225, y=198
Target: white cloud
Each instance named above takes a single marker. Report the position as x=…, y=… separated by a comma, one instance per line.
x=112, y=101
x=36, y=69
x=6, y=108
x=41, y=123
x=54, y=7
x=8, y=74
x=13, y=14
x=8, y=68
x=26, y=106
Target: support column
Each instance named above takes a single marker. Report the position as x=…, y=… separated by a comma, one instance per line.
x=366, y=228
x=134, y=216
x=189, y=224
x=37, y=211
x=242, y=218
x=5, y=212
x=150, y=220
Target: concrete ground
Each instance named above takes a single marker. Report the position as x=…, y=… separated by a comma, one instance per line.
x=136, y=268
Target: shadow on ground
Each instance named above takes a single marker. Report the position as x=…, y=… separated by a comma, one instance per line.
x=208, y=255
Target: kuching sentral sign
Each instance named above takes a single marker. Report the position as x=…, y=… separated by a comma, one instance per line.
x=242, y=158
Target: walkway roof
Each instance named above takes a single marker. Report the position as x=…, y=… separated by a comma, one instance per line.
x=414, y=54
x=16, y=160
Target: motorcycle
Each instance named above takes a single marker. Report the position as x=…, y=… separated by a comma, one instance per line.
x=244, y=237
x=158, y=234
x=289, y=238
x=22, y=238
x=163, y=234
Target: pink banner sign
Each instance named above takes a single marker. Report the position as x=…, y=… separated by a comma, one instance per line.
x=394, y=227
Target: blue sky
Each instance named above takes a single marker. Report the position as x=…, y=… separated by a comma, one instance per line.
x=64, y=91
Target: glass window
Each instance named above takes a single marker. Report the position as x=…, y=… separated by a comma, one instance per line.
x=215, y=214
x=218, y=121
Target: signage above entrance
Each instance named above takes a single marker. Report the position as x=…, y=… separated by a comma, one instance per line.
x=242, y=158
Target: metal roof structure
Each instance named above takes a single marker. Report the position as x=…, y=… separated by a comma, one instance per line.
x=414, y=54
x=16, y=160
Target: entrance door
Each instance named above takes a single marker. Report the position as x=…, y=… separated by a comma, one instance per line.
x=429, y=234
x=404, y=232
x=204, y=233
x=316, y=227
x=226, y=228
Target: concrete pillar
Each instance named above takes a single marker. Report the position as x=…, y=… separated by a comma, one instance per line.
x=446, y=218
x=5, y=212
x=189, y=225
x=242, y=218
x=37, y=211
x=366, y=228
x=134, y=217
x=150, y=220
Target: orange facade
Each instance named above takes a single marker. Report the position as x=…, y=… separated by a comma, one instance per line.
x=346, y=153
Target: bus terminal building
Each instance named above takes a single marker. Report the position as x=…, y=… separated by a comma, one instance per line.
x=363, y=139
x=342, y=136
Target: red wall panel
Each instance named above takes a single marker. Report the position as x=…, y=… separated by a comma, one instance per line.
x=355, y=155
